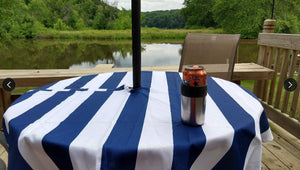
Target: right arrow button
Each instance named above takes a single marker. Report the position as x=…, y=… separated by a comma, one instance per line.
x=290, y=84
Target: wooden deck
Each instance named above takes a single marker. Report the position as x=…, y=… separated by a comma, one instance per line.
x=283, y=153
x=242, y=71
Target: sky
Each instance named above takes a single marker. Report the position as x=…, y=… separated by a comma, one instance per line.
x=150, y=5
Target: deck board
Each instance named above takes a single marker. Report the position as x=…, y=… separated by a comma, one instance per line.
x=264, y=166
x=288, y=145
x=280, y=153
x=271, y=161
x=3, y=154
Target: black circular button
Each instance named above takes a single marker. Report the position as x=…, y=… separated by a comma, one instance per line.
x=290, y=84
x=8, y=84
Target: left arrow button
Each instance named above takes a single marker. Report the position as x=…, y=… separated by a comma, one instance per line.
x=8, y=84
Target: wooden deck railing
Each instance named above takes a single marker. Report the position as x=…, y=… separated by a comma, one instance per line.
x=280, y=52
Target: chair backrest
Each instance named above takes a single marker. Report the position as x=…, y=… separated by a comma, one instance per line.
x=205, y=49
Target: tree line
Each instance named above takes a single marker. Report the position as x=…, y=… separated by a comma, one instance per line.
x=26, y=18
x=170, y=19
x=242, y=16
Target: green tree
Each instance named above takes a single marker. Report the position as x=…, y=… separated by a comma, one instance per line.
x=56, y=7
x=26, y=18
x=28, y=27
x=60, y=25
x=198, y=13
x=99, y=21
x=287, y=15
x=10, y=12
x=123, y=21
x=79, y=24
x=105, y=16
x=16, y=21
x=163, y=19
x=87, y=11
x=290, y=24
x=241, y=16
x=39, y=10
x=69, y=15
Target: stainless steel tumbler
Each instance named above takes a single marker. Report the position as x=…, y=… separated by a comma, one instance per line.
x=193, y=94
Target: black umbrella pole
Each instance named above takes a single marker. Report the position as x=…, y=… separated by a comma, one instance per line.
x=136, y=42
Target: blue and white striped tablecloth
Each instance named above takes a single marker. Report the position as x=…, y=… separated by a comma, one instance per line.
x=96, y=122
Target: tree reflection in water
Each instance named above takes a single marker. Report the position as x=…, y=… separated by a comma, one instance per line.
x=64, y=54
x=57, y=54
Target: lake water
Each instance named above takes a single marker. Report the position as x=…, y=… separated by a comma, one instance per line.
x=64, y=54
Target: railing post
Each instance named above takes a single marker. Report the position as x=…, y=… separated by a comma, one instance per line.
x=269, y=27
x=5, y=101
x=1, y=103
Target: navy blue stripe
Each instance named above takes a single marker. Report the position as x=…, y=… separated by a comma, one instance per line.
x=188, y=141
x=14, y=154
x=56, y=143
x=75, y=85
x=120, y=149
x=81, y=82
x=19, y=123
x=113, y=81
x=263, y=122
x=240, y=120
x=23, y=97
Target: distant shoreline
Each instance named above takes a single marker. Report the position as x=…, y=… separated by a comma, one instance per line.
x=146, y=34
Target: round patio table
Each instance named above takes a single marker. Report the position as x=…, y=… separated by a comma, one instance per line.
x=99, y=122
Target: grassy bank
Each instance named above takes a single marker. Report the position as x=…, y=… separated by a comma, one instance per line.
x=146, y=34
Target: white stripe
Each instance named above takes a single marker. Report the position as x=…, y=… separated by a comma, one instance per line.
x=61, y=85
x=219, y=137
x=30, y=140
x=37, y=98
x=253, y=158
x=155, y=150
x=254, y=108
x=86, y=153
x=180, y=74
x=96, y=82
x=267, y=136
